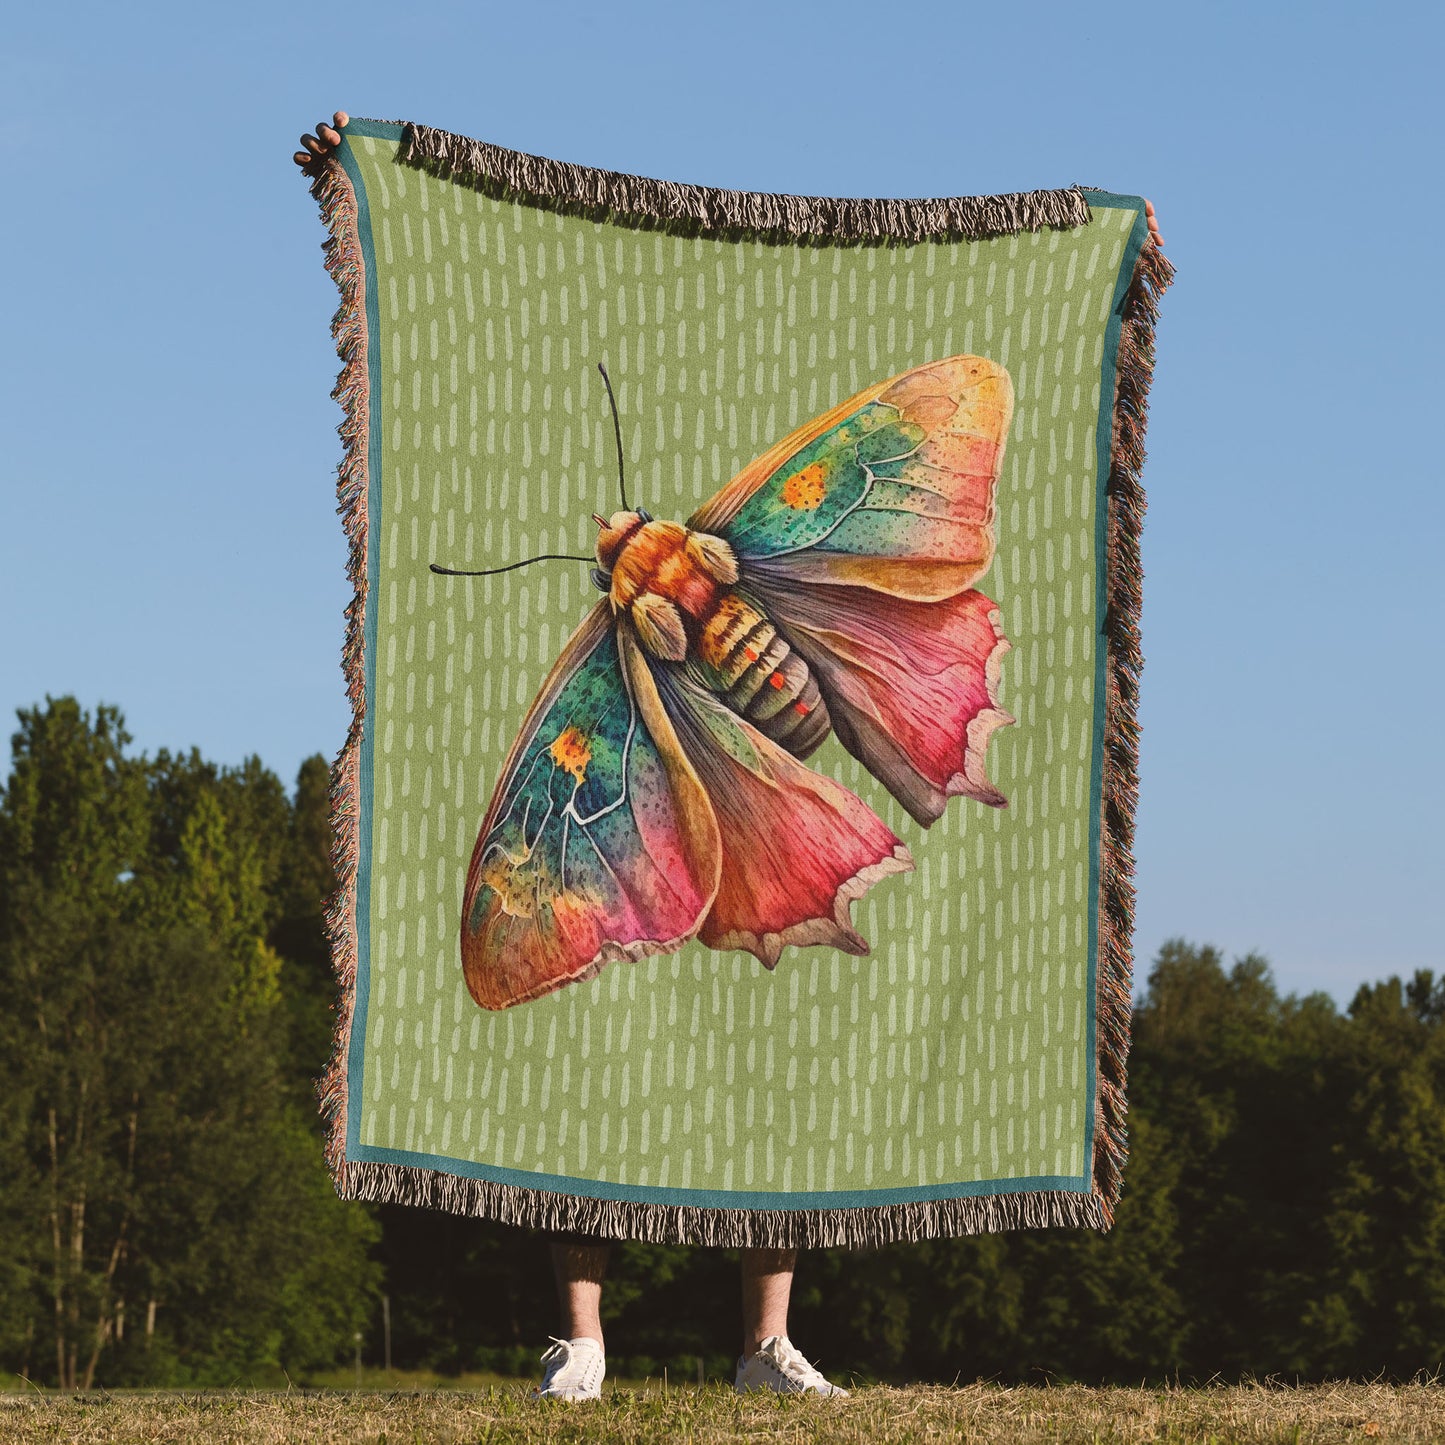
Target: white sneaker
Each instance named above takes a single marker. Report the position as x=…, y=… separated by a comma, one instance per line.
x=574, y=1370
x=781, y=1367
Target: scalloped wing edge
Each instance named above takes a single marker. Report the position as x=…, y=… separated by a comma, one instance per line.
x=837, y=931
x=974, y=781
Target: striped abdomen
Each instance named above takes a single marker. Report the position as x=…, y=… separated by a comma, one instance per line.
x=760, y=677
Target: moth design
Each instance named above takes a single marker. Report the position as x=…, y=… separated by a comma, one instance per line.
x=657, y=791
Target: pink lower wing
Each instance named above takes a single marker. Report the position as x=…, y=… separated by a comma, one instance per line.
x=911, y=687
x=797, y=848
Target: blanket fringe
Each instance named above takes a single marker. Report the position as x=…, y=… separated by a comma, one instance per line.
x=725, y=1228
x=344, y=260
x=737, y=215
x=697, y=209
x=1114, y=976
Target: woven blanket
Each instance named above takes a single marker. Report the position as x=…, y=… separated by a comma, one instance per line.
x=734, y=827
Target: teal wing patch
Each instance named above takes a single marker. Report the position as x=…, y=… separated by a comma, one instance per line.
x=842, y=491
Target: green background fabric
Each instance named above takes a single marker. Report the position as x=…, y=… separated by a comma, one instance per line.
x=960, y=1053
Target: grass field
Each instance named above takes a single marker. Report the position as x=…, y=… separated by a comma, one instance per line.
x=977, y=1413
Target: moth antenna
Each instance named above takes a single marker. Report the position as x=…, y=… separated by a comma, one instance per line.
x=617, y=432
x=511, y=566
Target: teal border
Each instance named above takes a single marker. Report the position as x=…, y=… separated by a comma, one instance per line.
x=709, y=1198
x=356, y=1055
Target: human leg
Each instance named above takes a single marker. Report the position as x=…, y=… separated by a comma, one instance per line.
x=770, y=1361
x=579, y=1264
x=575, y=1364
x=767, y=1287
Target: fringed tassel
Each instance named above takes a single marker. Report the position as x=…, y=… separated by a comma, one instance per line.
x=1135, y=368
x=726, y=1228
x=332, y=189
x=736, y=215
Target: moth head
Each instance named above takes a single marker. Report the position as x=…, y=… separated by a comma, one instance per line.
x=613, y=534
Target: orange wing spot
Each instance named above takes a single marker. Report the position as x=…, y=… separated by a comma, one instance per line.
x=571, y=752
x=801, y=708
x=805, y=490
x=777, y=680
x=751, y=653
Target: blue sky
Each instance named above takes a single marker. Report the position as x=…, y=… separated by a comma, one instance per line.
x=167, y=445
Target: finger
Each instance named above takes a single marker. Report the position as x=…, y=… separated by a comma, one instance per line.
x=303, y=158
x=313, y=145
x=328, y=135
x=341, y=120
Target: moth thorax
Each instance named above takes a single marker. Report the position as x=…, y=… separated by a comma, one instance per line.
x=621, y=528
x=761, y=678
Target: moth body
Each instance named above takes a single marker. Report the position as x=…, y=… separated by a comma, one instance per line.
x=676, y=586
x=745, y=659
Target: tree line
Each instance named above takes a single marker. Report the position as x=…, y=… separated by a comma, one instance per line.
x=166, y=1218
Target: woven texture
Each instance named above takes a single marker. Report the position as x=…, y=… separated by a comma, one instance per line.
x=966, y=1073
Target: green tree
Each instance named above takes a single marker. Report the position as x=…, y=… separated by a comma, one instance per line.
x=1382, y=1306
x=298, y=931
x=165, y=1189
x=72, y=826
x=1245, y=1084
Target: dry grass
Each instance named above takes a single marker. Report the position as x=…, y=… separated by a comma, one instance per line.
x=976, y=1413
